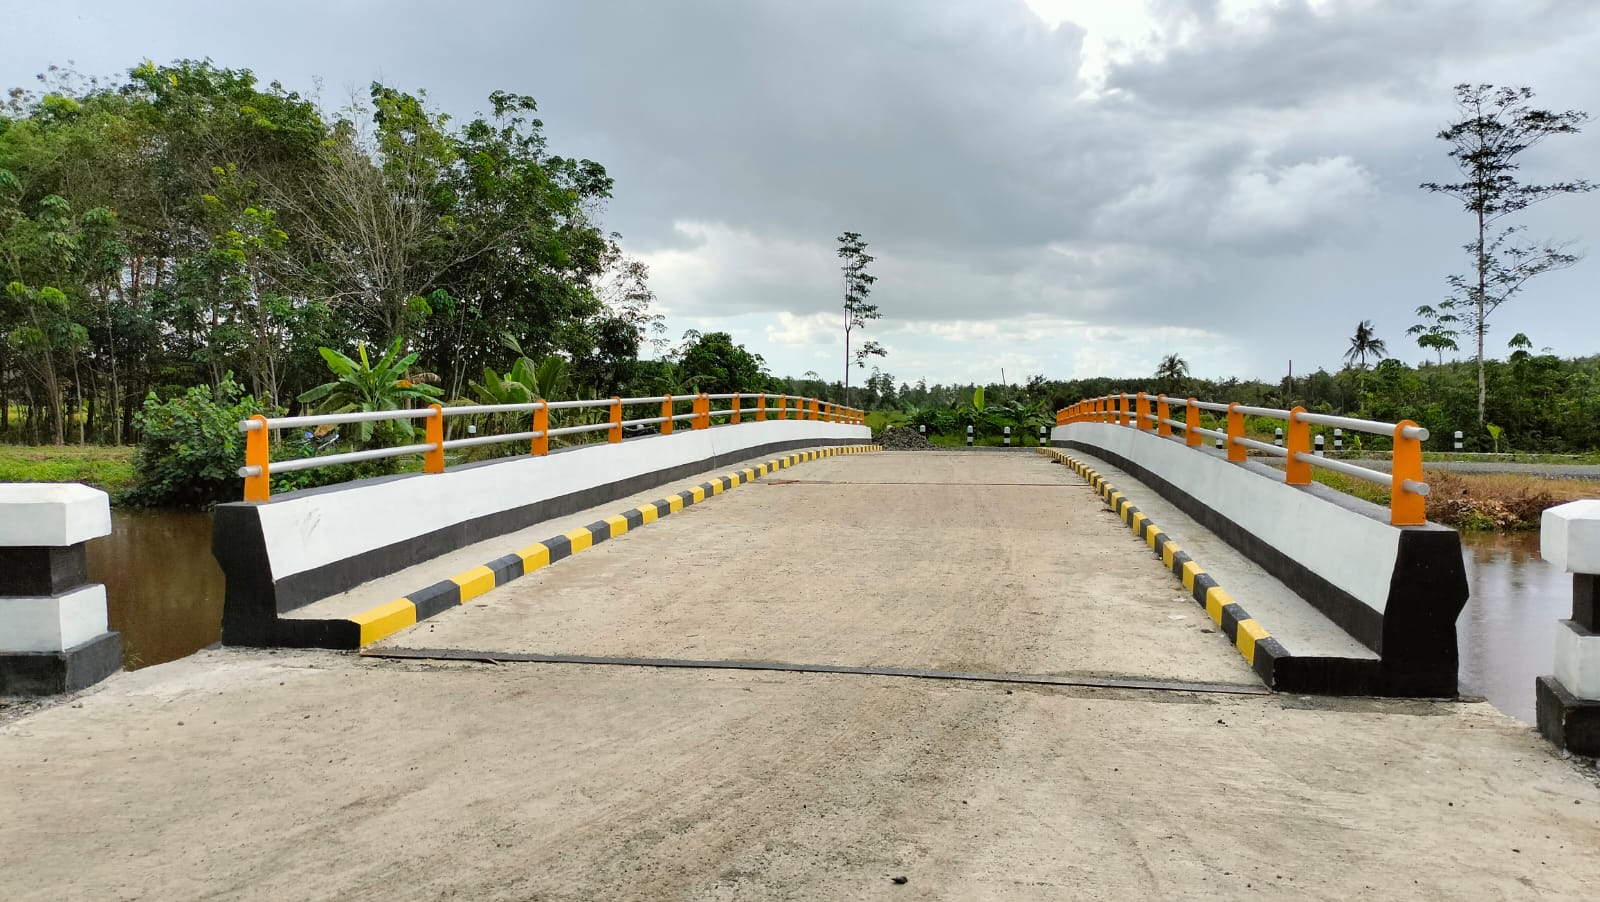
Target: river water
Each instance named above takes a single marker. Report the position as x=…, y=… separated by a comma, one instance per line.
x=164, y=594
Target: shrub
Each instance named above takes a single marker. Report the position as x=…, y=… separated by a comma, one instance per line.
x=192, y=448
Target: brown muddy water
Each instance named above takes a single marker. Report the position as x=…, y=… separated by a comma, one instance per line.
x=165, y=597
x=163, y=587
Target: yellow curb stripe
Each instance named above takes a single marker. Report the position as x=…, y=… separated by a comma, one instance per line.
x=1170, y=549
x=619, y=525
x=1250, y=632
x=385, y=620
x=1216, y=600
x=580, y=538
x=1190, y=571
x=647, y=512
x=534, y=557
x=474, y=582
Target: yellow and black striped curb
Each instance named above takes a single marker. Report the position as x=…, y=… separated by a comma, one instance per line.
x=1260, y=650
x=387, y=619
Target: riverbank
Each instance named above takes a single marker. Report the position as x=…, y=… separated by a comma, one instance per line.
x=109, y=469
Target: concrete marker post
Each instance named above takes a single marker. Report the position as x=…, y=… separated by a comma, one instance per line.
x=1338, y=440
x=1319, y=451
x=1008, y=436
x=1568, y=701
x=969, y=436
x=53, y=630
x=1458, y=440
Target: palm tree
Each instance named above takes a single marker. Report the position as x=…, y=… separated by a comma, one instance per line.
x=1172, y=374
x=1363, y=344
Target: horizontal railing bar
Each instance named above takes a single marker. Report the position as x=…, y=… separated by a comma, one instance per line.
x=329, y=419
x=1418, y=433
x=643, y=421
x=1210, y=433
x=489, y=440
x=685, y=416
x=1377, y=477
x=1176, y=424
x=574, y=430
x=1273, y=412
x=469, y=409
x=1261, y=446
x=1211, y=405
x=333, y=460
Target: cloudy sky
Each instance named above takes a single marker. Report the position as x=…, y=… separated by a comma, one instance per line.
x=1067, y=187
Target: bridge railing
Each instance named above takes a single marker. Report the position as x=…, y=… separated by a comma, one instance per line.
x=1143, y=410
x=259, y=466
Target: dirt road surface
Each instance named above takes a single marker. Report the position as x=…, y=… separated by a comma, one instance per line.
x=313, y=775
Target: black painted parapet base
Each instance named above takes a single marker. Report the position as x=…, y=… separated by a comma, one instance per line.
x=54, y=672
x=1569, y=722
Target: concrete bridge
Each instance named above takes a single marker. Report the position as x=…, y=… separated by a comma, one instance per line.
x=770, y=661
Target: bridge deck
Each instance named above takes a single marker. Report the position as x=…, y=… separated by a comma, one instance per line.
x=952, y=561
x=310, y=774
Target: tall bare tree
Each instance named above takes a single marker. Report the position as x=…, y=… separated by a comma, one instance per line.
x=1496, y=125
x=857, y=312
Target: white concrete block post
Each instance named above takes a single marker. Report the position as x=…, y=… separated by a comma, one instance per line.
x=1569, y=700
x=53, y=635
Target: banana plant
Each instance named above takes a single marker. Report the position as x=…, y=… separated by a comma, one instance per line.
x=361, y=385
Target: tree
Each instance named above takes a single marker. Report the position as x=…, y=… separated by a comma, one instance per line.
x=1496, y=126
x=1437, y=330
x=1172, y=375
x=1363, y=344
x=857, y=312
x=714, y=363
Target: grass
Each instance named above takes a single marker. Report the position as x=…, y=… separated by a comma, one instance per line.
x=102, y=467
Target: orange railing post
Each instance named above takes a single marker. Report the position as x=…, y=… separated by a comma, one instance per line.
x=814, y=403
x=761, y=407
x=1297, y=472
x=1122, y=408
x=733, y=419
x=1236, y=452
x=783, y=407
x=702, y=412
x=433, y=432
x=1141, y=411
x=258, y=453
x=666, y=411
x=1406, y=508
x=1191, y=422
x=1163, y=414
x=614, y=434
x=541, y=425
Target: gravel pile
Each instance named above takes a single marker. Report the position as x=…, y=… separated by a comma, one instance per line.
x=905, y=439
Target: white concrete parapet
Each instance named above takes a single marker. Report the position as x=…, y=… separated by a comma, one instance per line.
x=1569, y=701
x=53, y=629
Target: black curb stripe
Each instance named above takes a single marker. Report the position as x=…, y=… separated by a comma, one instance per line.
x=560, y=547
x=599, y=531
x=633, y=517
x=1203, y=584
x=663, y=508
x=687, y=497
x=1179, y=558
x=441, y=596
x=1231, y=615
x=506, y=568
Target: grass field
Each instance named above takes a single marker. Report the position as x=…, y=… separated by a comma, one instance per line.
x=110, y=469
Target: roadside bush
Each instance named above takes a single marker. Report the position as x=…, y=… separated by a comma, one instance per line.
x=192, y=448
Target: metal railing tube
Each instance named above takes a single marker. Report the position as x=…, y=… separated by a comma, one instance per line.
x=1261, y=446
x=332, y=419
x=331, y=460
x=452, y=444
